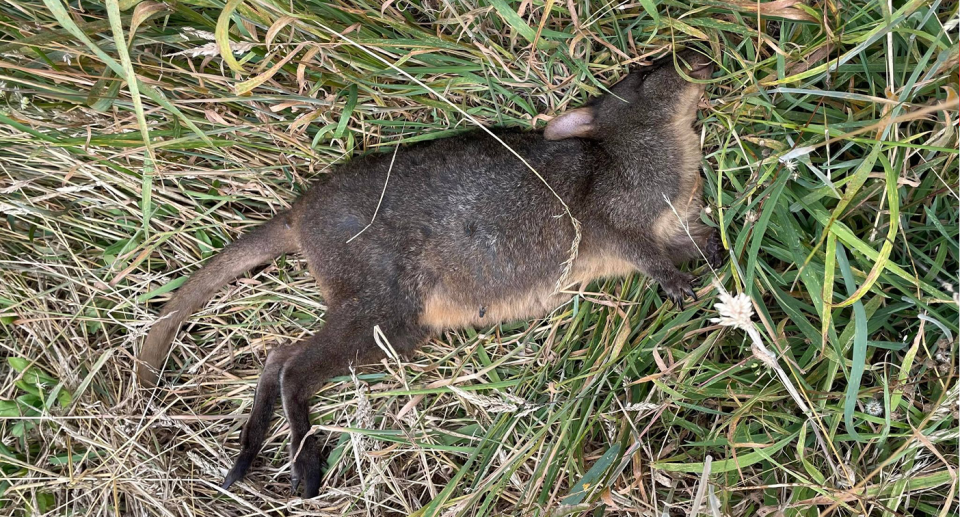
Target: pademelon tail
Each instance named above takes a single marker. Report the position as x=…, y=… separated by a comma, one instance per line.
x=264, y=243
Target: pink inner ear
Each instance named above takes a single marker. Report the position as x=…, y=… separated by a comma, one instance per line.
x=574, y=123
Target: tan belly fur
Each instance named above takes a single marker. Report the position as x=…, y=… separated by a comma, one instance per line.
x=443, y=310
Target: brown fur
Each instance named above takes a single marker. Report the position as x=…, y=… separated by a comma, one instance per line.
x=468, y=236
x=257, y=247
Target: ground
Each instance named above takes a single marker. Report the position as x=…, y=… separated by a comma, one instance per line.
x=830, y=166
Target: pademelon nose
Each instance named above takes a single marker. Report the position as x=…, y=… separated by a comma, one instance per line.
x=702, y=71
x=697, y=65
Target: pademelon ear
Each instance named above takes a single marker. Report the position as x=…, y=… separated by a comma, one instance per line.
x=576, y=123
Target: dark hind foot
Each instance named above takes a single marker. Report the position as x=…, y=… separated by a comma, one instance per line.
x=240, y=467
x=341, y=342
x=306, y=467
x=255, y=430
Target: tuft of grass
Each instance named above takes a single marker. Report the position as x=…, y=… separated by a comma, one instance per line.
x=137, y=138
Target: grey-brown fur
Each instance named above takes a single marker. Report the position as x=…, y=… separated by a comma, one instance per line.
x=467, y=235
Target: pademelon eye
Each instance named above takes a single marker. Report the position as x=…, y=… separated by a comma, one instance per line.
x=644, y=77
x=641, y=77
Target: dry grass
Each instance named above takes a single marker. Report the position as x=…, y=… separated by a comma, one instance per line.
x=610, y=406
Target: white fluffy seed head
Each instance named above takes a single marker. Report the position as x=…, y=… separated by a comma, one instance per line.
x=734, y=311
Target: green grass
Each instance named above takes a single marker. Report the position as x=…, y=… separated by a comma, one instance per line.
x=112, y=192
